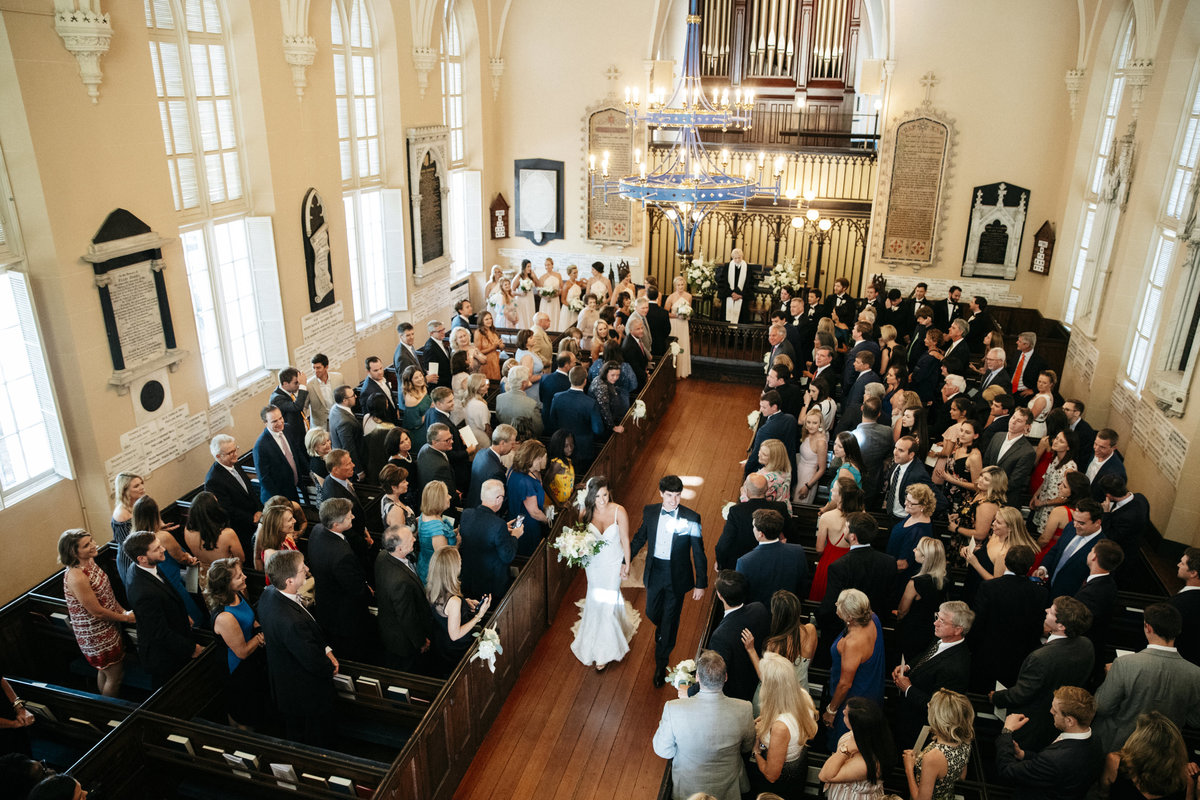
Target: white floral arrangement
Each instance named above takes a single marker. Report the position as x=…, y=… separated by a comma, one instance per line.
x=767, y=361
x=725, y=509
x=682, y=674
x=682, y=309
x=575, y=305
x=675, y=350
x=701, y=276
x=639, y=411
x=782, y=276
x=577, y=544
x=489, y=647
x=548, y=291
x=752, y=420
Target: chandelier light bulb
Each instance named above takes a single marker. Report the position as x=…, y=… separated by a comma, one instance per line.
x=813, y=215
x=797, y=222
x=825, y=224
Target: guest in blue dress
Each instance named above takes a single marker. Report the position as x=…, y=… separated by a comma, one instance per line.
x=247, y=690
x=919, y=502
x=527, y=496
x=434, y=531
x=529, y=359
x=857, y=660
x=846, y=449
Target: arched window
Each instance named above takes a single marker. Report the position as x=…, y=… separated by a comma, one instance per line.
x=452, y=84
x=230, y=256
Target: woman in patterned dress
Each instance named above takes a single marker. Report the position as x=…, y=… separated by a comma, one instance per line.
x=777, y=469
x=94, y=612
x=933, y=772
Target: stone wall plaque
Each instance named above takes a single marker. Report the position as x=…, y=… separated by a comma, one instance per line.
x=316, y=251
x=994, y=234
x=429, y=190
x=538, y=199
x=609, y=131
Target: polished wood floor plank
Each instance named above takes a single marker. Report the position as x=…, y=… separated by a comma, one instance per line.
x=568, y=732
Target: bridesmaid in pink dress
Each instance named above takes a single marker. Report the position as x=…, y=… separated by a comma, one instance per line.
x=832, y=530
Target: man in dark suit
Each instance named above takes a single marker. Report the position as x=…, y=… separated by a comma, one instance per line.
x=922, y=325
x=290, y=397
x=865, y=373
x=1066, y=563
x=464, y=315
x=1099, y=594
x=433, y=462
x=1126, y=516
x=230, y=484
x=1001, y=409
x=1064, y=660
x=345, y=431
x=864, y=568
x=1027, y=367
x=1009, y=611
x=552, y=384
x=1064, y=770
x=1085, y=434
x=994, y=373
x=791, y=332
x=280, y=466
x=633, y=350
x=860, y=334
x=895, y=313
x=488, y=545
x=164, y=630
x=957, y=358
x=791, y=398
x=773, y=564
x=737, y=537
x=487, y=464
x=435, y=358
x=659, y=322
x=674, y=542
x=980, y=322
x=1187, y=601
x=405, y=355
x=907, y=471
x=1105, y=460
x=300, y=663
x=947, y=665
x=342, y=593
x=338, y=485
x=741, y=613
x=459, y=454
x=577, y=412
x=839, y=300
x=405, y=619
x=780, y=346
x=772, y=424
x=948, y=310
x=376, y=384
x=1013, y=453
x=735, y=286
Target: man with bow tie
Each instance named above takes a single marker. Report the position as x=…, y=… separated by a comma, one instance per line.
x=735, y=285
x=674, y=540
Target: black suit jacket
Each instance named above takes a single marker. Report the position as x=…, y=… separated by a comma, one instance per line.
x=369, y=388
x=949, y=669
x=432, y=465
x=1062, y=662
x=274, y=474
x=956, y=360
x=863, y=568
x=301, y=673
x=980, y=325
x=1034, y=364
x=1002, y=379
x=164, y=634
x=405, y=619
x=357, y=535
x=486, y=466
x=771, y=567
x=916, y=473
x=687, y=546
x=578, y=413
x=1086, y=435
x=293, y=413
x=1062, y=771
x=725, y=289
x=943, y=314
x=341, y=590
x=1074, y=572
x=1009, y=611
x=1125, y=526
x=832, y=301
x=635, y=358
x=741, y=679
x=487, y=548
x=403, y=359
x=791, y=399
x=1017, y=464
x=460, y=460
x=779, y=426
x=549, y=386
x=1188, y=642
x=432, y=353
x=236, y=500
x=659, y=322
x=1115, y=465
x=346, y=433
x=737, y=537
x=1100, y=596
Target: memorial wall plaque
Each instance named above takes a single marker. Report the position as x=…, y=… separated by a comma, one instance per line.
x=316, y=251
x=126, y=259
x=428, y=190
x=610, y=220
x=997, y=224
x=431, y=210
x=538, y=199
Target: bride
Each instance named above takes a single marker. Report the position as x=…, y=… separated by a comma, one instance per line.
x=608, y=620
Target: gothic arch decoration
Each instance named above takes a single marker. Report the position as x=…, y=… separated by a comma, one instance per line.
x=424, y=15
x=997, y=225
x=299, y=49
x=429, y=195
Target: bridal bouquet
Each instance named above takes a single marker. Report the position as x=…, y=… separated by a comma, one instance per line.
x=496, y=300
x=526, y=285
x=489, y=647
x=682, y=674
x=682, y=309
x=577, y=545
x=575, y=305
x=548, y=291
x=752, y=420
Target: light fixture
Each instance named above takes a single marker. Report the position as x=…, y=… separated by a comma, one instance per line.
x=691, y=181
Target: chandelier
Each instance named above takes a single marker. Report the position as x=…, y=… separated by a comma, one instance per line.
x=691, y=180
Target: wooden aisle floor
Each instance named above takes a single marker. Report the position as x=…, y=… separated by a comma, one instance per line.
x=568, y=732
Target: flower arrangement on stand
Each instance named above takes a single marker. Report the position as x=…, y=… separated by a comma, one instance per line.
x=701, y=276
x=784, y=275
x=577, y=544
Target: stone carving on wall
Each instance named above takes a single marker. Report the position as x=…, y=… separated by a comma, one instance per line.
x=606, y=129
x=429, y=194
x=86, y=33
x=995, y=231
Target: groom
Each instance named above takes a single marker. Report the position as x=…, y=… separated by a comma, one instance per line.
x=675, y=541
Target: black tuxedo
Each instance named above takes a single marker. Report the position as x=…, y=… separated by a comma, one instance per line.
x=1062, y=662
x=916, y=347
x=1017, y=464
x=433, y=465
x=980, y=325
x=341, y=592
x=346, y=433
x=659, y=323
x=949, y=669
x=486, y=466
x=487, y=548
x=774, y=566
x=1062, y=771
x=164, y=633
x=741, y=679
x=791, y=399
x=405, y=619
x=1124, y=526
x=737, y=538
x=945, y=312
x=403, y=358
x=899, y=318
x=293, y=413
x=926, y=377
x=667, y=581
x=1086, y=435
x=957, y=358
x=1100, y=596
x=1188, y=642
x=357, y=535
x=864, y=568
x=1009, y=611
x=635, y=357
x=368, y=389
x=236, y=499
x=833, y=301
x=301, y=673
x=779, y=426
x=432, y=352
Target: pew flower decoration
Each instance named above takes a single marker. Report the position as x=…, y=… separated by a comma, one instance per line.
x=575, y=305
x=767, y=361
x=682, y=674
x=548, y=291
x=526, y=285
x=639, y=411
x=489, y=647
x=701, y=277
x=551, y=512
x=577, y=544
x=725, y=509
x=752, y=420
x=682, y=309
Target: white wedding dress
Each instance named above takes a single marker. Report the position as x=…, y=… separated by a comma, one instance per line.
x=608, y=621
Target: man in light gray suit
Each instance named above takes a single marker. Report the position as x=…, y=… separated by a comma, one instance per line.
x=875, y=441
x=514, y=404
x=1012, y=452
x=640, y=308
x=706, y=735
x=1156, y=679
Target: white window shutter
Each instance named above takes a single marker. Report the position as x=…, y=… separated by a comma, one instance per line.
x=472, y=216
x=395, y=255
x=265, y=273
x=41, y=378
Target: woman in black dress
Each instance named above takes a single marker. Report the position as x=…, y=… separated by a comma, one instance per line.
x=921, y=599
x=451, y=626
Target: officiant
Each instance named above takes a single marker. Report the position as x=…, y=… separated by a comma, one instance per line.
x=737, y=289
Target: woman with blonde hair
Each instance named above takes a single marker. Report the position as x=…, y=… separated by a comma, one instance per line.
x=93, y=610
x=788, y=720
x=598, y=338
x=923, y=596
x=451, y=630
x=274, y=531
x=572, y=289
x=776, y=469
x=890, y=353
x=675, y=304
x=434, y=530
x=985, y=559
x=975, y=520
x=1153, y=762
x=919, y=505
x=476, y=412
x=933, y=772
x=811, y=457
x=317, y=444
x=857, y=668
x=128, y=488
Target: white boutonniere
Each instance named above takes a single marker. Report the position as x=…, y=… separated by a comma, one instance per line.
x=725, y=509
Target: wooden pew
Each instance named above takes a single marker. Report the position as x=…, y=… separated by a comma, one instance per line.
x=69, y=722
